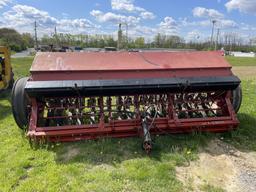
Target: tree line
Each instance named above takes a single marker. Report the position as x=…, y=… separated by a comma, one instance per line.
x=18, y=42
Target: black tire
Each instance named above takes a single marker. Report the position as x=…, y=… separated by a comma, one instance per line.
x=19, y=103
x=237, y=98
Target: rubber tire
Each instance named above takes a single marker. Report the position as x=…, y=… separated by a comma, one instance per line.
x=237, y=98
x=19, y=102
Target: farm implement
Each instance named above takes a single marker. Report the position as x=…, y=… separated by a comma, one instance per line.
x=76, y=96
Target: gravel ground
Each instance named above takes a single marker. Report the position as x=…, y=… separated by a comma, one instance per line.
x=221, y=165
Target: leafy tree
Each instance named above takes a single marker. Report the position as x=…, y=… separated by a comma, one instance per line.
x=18, y=42
x=140, y=42
x=11, y=38
x=157, y=41
x=28, y=40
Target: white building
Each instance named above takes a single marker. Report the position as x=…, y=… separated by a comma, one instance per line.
x=242, y=54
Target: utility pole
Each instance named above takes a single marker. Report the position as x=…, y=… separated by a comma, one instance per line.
x=36, y=41
x=217, y=39
x=213, y=24
x=120, y=40
x=127, y=39
x=56, y=35
x=120, y=37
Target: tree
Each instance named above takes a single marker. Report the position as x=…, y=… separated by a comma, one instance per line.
x=157, y=41
x=168, y=41
x=110, y=42
x=28, y=40
x=12, y=39
x=47, y=40
x=140, y=42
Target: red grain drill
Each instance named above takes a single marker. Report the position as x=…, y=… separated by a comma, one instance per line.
x=74, y=96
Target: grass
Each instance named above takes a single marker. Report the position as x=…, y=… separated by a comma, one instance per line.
x=241, y=61
x=245, y=136
x=210, y=188
x=106, y=164
x=21, y=66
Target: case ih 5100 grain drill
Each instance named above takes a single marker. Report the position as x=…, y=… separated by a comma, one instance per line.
x=74, y=96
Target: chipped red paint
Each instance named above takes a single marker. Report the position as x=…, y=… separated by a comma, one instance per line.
x=125, y=65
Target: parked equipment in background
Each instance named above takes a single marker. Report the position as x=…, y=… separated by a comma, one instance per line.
x=6, y=75
x=75, y=96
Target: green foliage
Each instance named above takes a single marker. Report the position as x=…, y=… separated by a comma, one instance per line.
x=21, y=66
x=139, y=42
x=241, y=61
x=167, y=41
x=210, y=188
x=14, y=40
x=28, y=40
x=96, y=41
x=18, y=42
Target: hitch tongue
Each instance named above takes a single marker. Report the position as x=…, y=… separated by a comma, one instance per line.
x=147, y=143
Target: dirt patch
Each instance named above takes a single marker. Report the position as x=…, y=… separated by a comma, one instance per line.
x=247, y=72
x=221, y=165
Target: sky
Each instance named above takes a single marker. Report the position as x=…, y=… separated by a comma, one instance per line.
x=190, y=19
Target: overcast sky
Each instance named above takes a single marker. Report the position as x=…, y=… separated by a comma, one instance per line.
x=188, y=18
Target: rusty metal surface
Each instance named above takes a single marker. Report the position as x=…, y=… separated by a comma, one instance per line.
x=116, y=61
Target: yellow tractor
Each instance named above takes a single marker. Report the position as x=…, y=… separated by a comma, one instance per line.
x=6, y=74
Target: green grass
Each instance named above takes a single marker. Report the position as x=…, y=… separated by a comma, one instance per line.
x=210, y=188
x=106, y=164
x=245, y=136
x=241, y=61
x=21, y=66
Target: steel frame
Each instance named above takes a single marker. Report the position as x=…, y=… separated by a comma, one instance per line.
x=132, y=127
